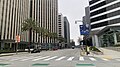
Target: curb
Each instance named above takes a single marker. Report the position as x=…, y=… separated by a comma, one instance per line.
x=97, y=53
x=1, y=55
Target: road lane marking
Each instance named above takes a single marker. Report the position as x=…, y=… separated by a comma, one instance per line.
x=70, y=59
x=81, y=58
x=3, y=65
x=85, y=65
x=92, y=59
x=60, y=58
x=30, y=58
x=50, y=58
x=118, y=59
x=104, y=59
x=14, y=59
x=38, y=64
x=40, y=58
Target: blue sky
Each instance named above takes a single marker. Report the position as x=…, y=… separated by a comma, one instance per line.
x=74, y=10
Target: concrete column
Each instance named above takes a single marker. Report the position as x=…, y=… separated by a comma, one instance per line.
x=115, y=38
x=2, y=45
x=96, y=41
x=93, y=40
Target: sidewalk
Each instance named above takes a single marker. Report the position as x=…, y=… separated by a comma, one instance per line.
x=10, y=54
x=109, y=54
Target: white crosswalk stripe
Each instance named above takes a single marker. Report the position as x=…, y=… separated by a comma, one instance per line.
x=81, y=58
x=70, y=59
x=50, y=58
x=92, y=59
x=54, y=58
x=40, y=58
x=14, y=59
x=60, y=58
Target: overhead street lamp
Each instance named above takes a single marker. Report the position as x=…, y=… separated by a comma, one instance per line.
x=78, y=21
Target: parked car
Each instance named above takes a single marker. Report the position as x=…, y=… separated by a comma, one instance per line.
x=55, y=48
x=36, y=51
x=73, y=47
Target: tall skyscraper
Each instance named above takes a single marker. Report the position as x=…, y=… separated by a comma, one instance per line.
x=105, y=17
x=14, y=12
x=67, y=32
x=61, y=25
x=45, y=12
x=64, y=30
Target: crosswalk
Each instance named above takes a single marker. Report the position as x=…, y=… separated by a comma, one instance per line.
x=81, y=58
x=93, y=59
x=70, y=59
x=55, y=58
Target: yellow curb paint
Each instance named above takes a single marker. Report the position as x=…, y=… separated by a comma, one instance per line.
x=107, y=57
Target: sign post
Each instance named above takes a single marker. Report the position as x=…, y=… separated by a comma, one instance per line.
x=84, y=30
x=17, y=40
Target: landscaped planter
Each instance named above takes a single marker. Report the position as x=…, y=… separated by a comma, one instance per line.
x=97, y=53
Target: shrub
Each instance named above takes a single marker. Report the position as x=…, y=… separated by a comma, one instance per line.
x=93, y=48
x=6, y=51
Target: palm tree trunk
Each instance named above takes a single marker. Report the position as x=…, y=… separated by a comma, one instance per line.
x=39, y=40
x=30, y=39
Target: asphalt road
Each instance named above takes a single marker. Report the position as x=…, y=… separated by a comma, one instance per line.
x=58, y=58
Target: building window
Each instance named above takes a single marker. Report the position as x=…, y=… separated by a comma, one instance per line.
x=98, y=18
x=98, y=12
x=99, y=25
x=98, y=5
x=93, y=1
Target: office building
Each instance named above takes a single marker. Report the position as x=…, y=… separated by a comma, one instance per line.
x=67, y=32
x=14, y=12
x=61, y=25
x=60, y=28
x=105, y=18
x=45, y=12
x=64, y=30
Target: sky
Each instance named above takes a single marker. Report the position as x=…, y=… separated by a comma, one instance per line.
x=73, y=10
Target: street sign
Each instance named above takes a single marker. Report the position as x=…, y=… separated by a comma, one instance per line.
x=84, y=29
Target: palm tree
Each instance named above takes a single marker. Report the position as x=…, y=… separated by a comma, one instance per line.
x=29, y=25
x=61, y=39
x=53, y=36
x=42, y=32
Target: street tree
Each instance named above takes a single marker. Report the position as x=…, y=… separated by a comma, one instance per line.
x=29, y=25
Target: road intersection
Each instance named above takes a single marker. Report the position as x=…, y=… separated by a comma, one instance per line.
x=59, y=58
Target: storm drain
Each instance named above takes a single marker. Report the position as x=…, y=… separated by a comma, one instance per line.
x=38, y=64
x=85, y=65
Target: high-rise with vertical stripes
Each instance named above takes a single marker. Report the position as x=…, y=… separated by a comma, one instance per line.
x=45, y=12
x=14, y=12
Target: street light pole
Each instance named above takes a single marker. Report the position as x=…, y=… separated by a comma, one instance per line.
x=83, y=34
